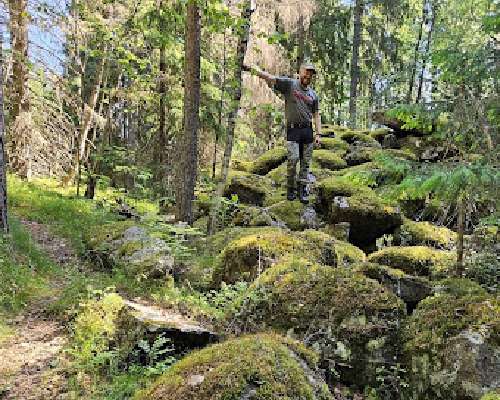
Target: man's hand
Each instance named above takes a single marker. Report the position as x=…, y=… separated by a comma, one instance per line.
x=317, y=139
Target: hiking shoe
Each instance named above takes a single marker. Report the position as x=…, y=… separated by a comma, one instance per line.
x=290, y=194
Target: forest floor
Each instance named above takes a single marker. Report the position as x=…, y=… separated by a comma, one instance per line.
x=33, y=350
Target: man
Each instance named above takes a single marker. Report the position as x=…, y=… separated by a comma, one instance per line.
x=301, y=107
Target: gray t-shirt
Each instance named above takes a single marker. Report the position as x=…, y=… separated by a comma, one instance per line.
x=300, y=104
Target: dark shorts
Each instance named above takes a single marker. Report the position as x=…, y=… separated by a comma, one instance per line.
x=300, y=135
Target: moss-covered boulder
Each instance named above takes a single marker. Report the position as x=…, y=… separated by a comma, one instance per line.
x=269, y=160
x=295, y=215
x=250, y=188
x=411, y=289
x=379, y=134
x=328, y=159
x=247, y=256
x=359, y=139
x=252, y=216
x=342, y=200
x=258, y=367
x=334, y=144
x=132, y=249
x=453, y=347
x=352, y=319
x=415, y=260
x=412, y=233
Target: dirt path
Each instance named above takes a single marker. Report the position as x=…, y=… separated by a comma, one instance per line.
x=29, y=358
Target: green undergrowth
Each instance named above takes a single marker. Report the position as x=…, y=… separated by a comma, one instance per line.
x=24, y=269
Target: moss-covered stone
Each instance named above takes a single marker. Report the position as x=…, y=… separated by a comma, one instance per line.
x=329, y=130
x=260, y=367
x=328, y=159
x=342, y=200
x=453, y=347
x=412, y=233
x=495, y=395
x=411, y=289
x=247, y=256
x=334, y=144
x=459, y=287
x=240, y=165
x=269, y=160
x=351, y=318
x=361, y=139
x=250, y=188
x=291, y=213
x=251, y=216
x=101, y=235
x=379, y=134
x=415, y=260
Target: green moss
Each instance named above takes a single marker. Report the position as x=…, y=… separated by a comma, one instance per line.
x=269, y=160
x=450, y=343
x=298, y=294
x=492, y=395
x=243, y=166
x=344, y=200
x=107, y=233
x=329, y=130
x=424, y=233
x=246, y=257
x=267, y=364
x=328, y=159
x=290, y=213
x=345, y=309
x=352, y=137
x=334, y=144
x=250, y=189
x=129, y=248
x=379, y=134
x=250, y=216
x=459, y=287
x=419, y=260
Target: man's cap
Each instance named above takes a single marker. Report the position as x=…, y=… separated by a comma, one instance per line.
x=308, y=67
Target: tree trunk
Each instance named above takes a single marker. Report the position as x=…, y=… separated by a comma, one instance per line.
x=19, y=39
x=427, y=56
x=86, y=123
x=415, y=57
x=236, y=96
x=188, y=144
x=219, y=129
x=300, y=42
x=461, y=230
x=4, y=226
x=356, y=42
x=20, y=149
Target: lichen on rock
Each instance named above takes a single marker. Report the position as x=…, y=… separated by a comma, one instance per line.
x=258, y=367
x=453, y=347
x=330, y=308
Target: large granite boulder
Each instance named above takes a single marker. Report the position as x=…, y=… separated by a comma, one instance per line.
x=353, y=320
x=257, y=367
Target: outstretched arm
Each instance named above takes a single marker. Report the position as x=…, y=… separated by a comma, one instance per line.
x=270, y=79
x=317, y=123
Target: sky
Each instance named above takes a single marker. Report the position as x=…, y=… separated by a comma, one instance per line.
x=45, y=41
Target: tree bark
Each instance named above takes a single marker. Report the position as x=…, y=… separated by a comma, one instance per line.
x=356, y=42
x=4, y=226
x=415, y=57
x=18, y=10
x=236, y=96
x=427, y=56
x=219, y=129
x=188, y=144
x=300, y=42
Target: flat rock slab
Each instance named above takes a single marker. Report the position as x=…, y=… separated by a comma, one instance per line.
x=185, y=333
